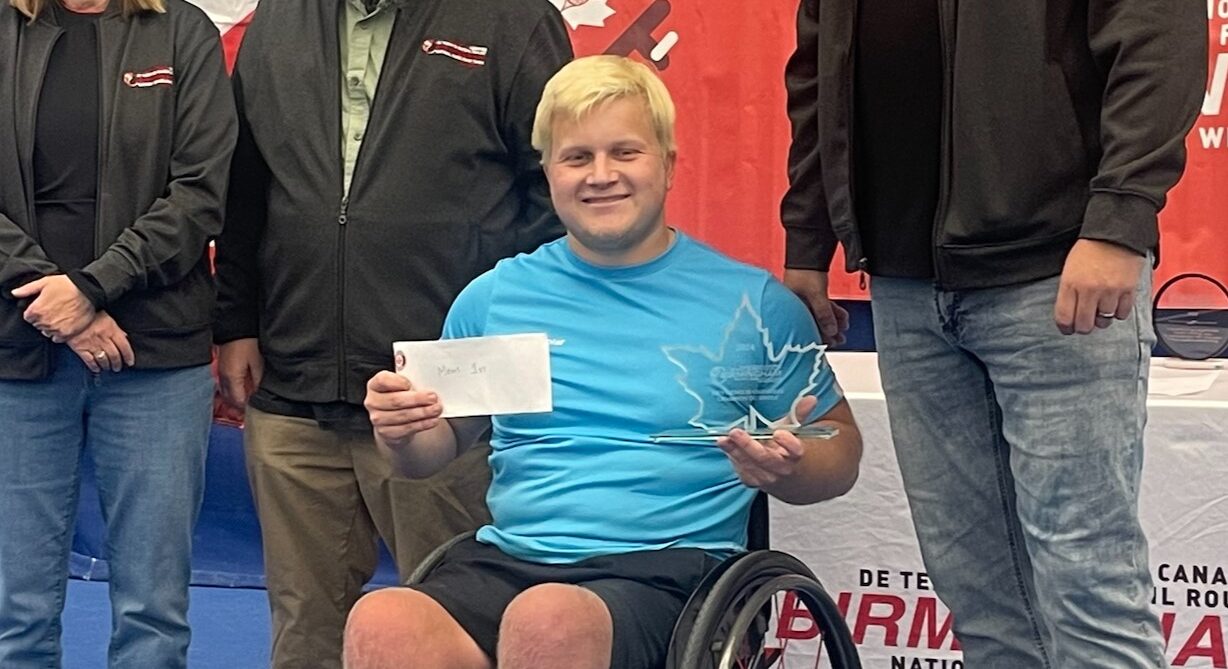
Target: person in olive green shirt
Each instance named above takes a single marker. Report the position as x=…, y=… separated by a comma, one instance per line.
x=383, y=162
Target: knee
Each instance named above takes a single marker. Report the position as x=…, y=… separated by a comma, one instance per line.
x=555, y=616
x=384, y=627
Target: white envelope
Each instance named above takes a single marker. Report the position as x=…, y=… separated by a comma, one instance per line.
x=481, y=376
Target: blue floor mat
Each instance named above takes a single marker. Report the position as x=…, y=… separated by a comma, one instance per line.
x=230, y=627
x=226, y=544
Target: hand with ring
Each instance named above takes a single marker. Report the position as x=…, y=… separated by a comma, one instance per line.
x=1097, y=286
x=1104, y=319
x=103, y=345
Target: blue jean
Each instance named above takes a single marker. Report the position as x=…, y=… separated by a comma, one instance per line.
x=1021, y=451
x=147, y=433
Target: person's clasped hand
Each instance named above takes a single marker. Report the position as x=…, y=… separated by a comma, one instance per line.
x=103, y=345
x=58, y=309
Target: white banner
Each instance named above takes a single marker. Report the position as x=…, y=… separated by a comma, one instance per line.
x=863, y=547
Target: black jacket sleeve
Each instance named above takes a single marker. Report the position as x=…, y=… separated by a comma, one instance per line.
x=237, y=258
x=547, y=50
x=165, y=243
x=810, y=242
x=22, y=260
x=1154, y=57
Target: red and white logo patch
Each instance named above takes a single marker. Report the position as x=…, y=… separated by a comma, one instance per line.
x=470, y=55
x=158, y=76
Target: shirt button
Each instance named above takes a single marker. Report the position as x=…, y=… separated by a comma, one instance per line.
x=358, y=136
x=355, y=82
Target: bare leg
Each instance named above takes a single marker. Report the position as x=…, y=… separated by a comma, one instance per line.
x=399, y=628
x=556, y=626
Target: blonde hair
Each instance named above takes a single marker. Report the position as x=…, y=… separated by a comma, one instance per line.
x=32, y=8
x=587, y=83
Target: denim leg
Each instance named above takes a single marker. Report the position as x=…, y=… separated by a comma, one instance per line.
x=946, y=428
x=1073, y=413
x=147, y=433
x=40, y=452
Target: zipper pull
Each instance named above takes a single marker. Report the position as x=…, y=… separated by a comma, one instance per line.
x=862, y=270
x=343, y=217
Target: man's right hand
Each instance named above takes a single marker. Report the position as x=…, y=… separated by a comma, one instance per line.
x=239, y=369
x=811, y=286
x=398, y=411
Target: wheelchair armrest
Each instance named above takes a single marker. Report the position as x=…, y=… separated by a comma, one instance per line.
x=429, y=563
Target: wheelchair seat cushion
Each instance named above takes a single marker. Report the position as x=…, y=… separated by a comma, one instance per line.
x=644, y=592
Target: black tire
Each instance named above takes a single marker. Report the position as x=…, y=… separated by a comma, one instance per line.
x=733, y=604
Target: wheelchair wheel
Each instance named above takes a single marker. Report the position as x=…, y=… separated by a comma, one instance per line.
x=726, y=623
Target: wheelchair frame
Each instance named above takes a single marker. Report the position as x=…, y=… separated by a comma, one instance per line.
x=728, y=614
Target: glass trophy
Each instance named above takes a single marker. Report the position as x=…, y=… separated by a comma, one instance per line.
x=1190, y=315
x=752, y=381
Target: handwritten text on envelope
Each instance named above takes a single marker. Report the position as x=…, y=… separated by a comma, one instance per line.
x=481, y=376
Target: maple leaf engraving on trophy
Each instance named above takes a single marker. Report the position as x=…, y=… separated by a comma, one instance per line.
x=747, y=377
x=584, y=12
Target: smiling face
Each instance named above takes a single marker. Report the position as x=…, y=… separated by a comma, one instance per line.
x=608, y=178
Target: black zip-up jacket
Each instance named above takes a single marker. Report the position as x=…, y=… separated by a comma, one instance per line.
x=446, y=184
x=1061, y=119
x=164, y=152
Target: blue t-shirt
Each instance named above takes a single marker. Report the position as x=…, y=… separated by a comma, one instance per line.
x=689, y=340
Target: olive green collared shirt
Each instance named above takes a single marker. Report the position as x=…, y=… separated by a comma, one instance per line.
x=364, y=42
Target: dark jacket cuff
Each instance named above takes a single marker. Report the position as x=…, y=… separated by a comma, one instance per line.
x=1123, y=219
x=808, y=248
x=89, y=287
x=112, y=278
x=234, y=328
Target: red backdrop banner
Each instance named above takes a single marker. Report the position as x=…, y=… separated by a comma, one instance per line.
x=724, y=63
x=1193, y=235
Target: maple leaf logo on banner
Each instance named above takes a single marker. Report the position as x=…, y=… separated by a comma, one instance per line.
x=231, y=18
x=634, y=30
x=226, y=13
x=584, y=12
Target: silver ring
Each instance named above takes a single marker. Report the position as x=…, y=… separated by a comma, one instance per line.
x=100, y=355
x=1108, y=315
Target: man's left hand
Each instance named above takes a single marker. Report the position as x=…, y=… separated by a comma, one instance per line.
x=763, y=463
x=59, y=310
x=1097, y=286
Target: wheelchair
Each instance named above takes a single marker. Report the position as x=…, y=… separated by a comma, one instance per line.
x=724, y=625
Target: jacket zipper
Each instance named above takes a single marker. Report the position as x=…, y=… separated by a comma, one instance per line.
x=850, y=121
x=343, y=219
x=944, y=155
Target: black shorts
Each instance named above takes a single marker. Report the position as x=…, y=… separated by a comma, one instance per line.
x=644, y=591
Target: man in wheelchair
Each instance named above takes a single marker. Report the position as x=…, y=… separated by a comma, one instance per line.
x=683, y=382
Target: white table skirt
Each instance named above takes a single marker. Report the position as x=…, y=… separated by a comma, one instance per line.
x=863, y=547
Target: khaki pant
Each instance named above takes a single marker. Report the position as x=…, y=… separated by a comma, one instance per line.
x=323, y=498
